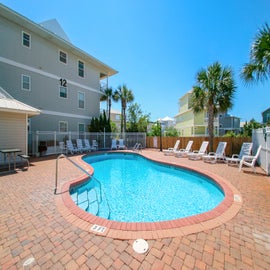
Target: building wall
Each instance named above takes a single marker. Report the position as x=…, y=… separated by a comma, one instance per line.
x=228, y=123
x=190, y=124
x=13, y=130
x=184, y=122
x=184, y=103
x=41, y=63
x=116, y=118
x=266, y=116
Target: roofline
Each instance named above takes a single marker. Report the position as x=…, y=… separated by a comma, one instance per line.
x=30, y=113
x=21, y=20
x=265, y=111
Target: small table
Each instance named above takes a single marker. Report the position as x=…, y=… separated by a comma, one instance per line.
x=9, y=152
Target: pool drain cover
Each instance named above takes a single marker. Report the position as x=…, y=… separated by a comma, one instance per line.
x=140, y=246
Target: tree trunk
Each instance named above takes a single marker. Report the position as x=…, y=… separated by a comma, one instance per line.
x=124, y=118
x=211, y=127
x=109, y=114
x=122, y=114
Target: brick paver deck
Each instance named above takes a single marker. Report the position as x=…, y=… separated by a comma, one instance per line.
x=33, y=226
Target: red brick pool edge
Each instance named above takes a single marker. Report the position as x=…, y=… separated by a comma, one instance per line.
x=225, y=211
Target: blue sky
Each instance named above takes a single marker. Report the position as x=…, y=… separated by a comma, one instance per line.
x=158, y=46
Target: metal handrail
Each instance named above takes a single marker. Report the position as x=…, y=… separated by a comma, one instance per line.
x=83, y=170
x=137, y=147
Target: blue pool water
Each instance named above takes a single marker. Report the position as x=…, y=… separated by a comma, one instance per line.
x=135, y=189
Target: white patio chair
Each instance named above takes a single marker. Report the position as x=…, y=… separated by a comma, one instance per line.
x=184, y=152
x=71, y=148
x=245, y=151
x=88, y=146
x=250, y=161
x=197, y=154
x=62, y=147
x=80, y=146
x=121, y=144
x=94, y=144
x=213, y=157
x=114, y=146
x=172, y=151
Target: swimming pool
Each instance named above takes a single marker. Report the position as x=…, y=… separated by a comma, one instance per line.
x=135, y=189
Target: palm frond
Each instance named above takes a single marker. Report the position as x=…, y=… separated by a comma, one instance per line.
x=258, y=69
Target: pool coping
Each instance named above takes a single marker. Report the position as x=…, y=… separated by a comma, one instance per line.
x=225, y=211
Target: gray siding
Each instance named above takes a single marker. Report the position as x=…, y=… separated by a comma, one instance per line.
x=41, y=63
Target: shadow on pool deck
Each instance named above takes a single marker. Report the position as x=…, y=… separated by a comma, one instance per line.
x=32, y=226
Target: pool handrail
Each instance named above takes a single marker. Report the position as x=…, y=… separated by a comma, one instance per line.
x=83, y=170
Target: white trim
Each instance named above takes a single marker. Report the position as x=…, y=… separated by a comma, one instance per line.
x=26, y=134
x=60, y=92
x=46, y=74
x=28, y=47
x=64, y=122
x=82, y=77
x=79, y=127
x=80, y=92
x=66, y=57
x=65, y=114
x=22, y=80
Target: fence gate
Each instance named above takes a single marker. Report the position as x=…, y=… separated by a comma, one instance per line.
x=262, y=137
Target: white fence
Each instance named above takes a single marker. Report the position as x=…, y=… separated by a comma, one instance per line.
x=47, y=142
x=262, y=137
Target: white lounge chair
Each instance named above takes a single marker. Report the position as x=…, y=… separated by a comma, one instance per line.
x=70, y=148
x=62, y=147
x=88, y=146
x=94, y=144
x=184, y=152
x=250, y=161
x=80, y=145
x=245, y=151
x=172, y=151
x=114, y=145
x=121, y=144
x=213, y=157
x=197, y=154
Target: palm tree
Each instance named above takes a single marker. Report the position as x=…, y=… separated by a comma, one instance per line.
x=214, y=93
x=107, y=96
x=258, y=69
x=126, y=96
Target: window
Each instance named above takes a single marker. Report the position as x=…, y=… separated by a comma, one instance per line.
x=63, y=57
x=26, y=83
x=80, y=68
x=63, y=92
x=81, y=100
x=63, y=88
x=63, y=126
x=81, y=127
x=26, y=39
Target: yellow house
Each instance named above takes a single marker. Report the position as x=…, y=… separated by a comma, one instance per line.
x=190, y=124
